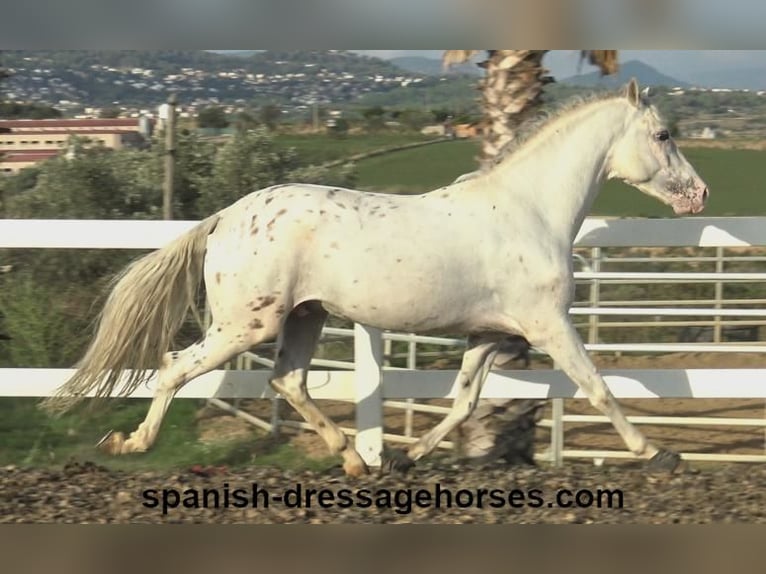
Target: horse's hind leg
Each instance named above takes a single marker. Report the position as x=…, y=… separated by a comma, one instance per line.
x=218, y=346
x=475, y=366
x=297, y=343
x=563, y=344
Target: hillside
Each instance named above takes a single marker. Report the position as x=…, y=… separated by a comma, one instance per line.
x=645, y=74
x=77, y=82
x=291, y=79
x=433, y=67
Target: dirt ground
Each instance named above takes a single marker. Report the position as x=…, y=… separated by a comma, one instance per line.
x=624, y=492
x=698, y=439
x=434, y=492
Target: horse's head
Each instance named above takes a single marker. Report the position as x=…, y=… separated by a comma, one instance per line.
x=646, y=157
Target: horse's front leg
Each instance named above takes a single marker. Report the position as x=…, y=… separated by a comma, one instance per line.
x=476, y=363
x=558, y=338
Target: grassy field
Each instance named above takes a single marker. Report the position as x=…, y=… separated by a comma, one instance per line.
x=418, y=170
x=319, y=149
x=733, y=175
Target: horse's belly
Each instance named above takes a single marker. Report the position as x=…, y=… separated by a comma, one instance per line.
x=403, y=282
x=400, y=308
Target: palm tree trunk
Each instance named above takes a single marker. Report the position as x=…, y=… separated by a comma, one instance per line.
x=511, y=93
x=503, y=428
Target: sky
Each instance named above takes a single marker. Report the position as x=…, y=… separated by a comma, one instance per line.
x=681, y=64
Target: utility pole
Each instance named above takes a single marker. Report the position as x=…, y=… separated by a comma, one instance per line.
x=170, y=159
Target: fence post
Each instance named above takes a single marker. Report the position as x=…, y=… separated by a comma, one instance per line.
x=557, y=431
x=412, y=363
x=595, y=295
x=717, y=338
x=170, y=159
x=368, y=363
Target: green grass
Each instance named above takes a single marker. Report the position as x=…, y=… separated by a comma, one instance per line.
x=30, y=438
x=734, y=178
x=419, y=169
x=319, y=148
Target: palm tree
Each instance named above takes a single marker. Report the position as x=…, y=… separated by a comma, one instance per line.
x=512, y=88
x=511, y=92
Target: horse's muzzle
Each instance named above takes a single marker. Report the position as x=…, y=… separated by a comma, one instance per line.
x=692, y=200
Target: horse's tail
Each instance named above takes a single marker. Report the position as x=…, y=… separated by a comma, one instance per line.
x=146, y=308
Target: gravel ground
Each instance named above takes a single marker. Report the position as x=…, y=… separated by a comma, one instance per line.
x=86, y=493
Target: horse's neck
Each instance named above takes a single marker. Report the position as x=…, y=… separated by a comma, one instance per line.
x=561, y=171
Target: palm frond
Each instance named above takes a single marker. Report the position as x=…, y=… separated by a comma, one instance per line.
x=454, y=57
x=605, y=60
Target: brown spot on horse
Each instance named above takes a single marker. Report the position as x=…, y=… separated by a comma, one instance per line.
x=268, y=300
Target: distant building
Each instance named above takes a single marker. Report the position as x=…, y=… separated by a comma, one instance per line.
x=14, y=161
x=463, y=131
x=448, y=129
x=434, y=130
x=707, y=134
x=23, y=143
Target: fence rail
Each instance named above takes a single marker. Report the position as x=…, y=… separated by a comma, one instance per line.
x=371, y=385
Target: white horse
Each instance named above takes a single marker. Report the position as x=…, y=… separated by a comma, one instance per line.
x=489, y=256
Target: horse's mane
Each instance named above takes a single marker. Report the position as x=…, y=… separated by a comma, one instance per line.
x=547, y=116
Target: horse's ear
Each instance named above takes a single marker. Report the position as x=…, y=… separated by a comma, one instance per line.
x=632, y=93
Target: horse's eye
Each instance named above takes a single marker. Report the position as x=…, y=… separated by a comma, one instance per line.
x=662, y=136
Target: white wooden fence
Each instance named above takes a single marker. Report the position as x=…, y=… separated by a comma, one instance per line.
x=368, y=384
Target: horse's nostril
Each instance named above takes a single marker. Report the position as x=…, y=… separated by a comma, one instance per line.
x=705, y=193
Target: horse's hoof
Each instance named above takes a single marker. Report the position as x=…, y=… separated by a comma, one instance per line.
x=664, y=460
x=336, y=471
x=111, y=443
x=355, y=468
x=396, y=460
x=483, y=461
